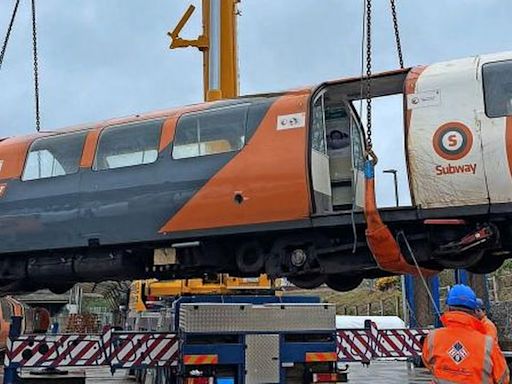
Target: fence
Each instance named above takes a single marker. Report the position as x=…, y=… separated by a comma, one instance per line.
x=384, y=307
x=371, y=343
x=119, y=350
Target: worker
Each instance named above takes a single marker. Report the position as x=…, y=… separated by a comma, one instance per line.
x=461, y=352
x=490, y=328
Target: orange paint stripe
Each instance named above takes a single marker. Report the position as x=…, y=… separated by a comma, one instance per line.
x=200, y=359
x=320, y=356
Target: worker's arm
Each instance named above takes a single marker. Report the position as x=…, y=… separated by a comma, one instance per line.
x=500, y=373
x=426, y=355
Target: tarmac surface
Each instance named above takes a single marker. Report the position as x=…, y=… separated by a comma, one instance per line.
x=382, y=372
x=388, y=372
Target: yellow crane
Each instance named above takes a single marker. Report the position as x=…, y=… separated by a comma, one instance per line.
x=218, y=45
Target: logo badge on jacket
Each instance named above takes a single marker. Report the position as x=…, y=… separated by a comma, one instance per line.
x=458, y=352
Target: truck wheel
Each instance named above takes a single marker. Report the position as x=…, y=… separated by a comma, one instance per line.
x=343, y=283
x=308, y=281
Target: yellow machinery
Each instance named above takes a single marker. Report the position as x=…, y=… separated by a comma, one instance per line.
x=218, y=44
x=144, y=291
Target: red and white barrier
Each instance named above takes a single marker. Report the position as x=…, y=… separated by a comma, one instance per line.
x=117, y=349
x=371, y=343
x=129, y=349
x=54, y=350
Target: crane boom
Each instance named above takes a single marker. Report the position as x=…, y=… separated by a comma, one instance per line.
x=218, y=45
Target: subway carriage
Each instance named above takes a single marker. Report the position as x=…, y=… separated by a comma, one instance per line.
x=269, y=183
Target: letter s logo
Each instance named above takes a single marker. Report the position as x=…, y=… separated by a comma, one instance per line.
x=452, y=141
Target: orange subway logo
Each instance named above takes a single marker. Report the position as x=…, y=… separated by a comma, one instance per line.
x=313, y=357
x=200, y=359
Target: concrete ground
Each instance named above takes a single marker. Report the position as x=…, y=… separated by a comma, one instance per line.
x=387, y=372
x=383, y=372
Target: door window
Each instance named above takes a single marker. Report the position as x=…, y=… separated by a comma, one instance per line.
x=128, y=145
x=318, y=127
x=54, y=156
x=497, y=79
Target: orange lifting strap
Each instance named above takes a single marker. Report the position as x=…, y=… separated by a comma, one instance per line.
x=381, y=241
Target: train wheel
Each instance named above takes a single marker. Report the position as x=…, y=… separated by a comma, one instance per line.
x=488, y=264
x=461, y=261
x=343, y=283
x=308, y=280
x=250, y=257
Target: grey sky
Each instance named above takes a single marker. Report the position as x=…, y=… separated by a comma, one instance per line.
x=106, y=58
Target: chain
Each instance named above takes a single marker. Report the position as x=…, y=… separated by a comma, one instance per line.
x=368, y=74
x=36, y=70
x=397, y=33
x=9, y=30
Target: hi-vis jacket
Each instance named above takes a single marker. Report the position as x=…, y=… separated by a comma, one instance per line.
x=490, y=328
x=462, y=352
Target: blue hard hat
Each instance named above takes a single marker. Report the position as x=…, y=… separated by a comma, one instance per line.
x=461, y=295
x=480, y=303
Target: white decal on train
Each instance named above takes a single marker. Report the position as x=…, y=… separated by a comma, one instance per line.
x=294, y=120
x=423, y=99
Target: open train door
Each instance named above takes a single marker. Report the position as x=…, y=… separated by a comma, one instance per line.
x=320, y=173
x=358, y=157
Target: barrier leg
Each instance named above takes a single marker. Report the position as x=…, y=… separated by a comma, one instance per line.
x=10, y=369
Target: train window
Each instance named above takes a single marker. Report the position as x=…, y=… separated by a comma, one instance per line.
x=128, y=145
x=498, y=88
x=210, y=132
x=54, y=156
x=318, y=126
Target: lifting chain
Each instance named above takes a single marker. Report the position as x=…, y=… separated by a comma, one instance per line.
x=36, y=70
x=397, y=33
x=9, y=30
x=368, y=76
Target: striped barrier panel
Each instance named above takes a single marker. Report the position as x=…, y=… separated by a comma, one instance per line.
x=52, y=351
x=134, y=349
x=371, y=343
x=116, y=349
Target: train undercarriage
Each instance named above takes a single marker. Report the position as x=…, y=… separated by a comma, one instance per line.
x=327, y=249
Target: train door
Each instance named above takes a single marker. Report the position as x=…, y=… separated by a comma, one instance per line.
x=495, y=117
x=320, y=167
x=336, y=154
x=358, y=145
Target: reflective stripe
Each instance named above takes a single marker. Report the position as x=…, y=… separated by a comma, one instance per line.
x=504, y=376
x=430, y=347
x=443, y=381
x=487, y=367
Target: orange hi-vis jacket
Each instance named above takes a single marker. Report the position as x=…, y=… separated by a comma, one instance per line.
x=461, y=352
x=490, y=328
